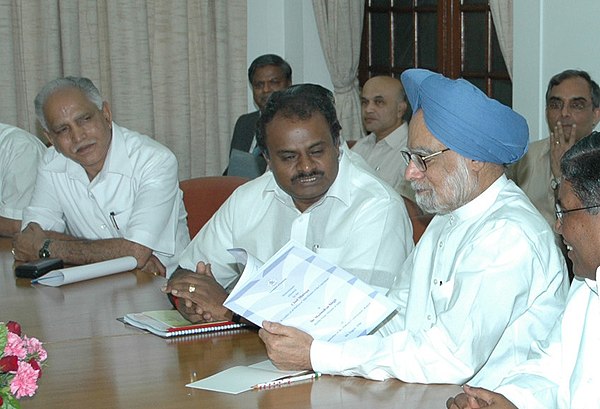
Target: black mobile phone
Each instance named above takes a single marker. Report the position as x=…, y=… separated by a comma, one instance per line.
x=37, y=268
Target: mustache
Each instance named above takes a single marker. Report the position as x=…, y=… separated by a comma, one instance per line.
x=307, y=175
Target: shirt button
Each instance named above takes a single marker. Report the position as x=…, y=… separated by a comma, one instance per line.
x=441, y=244
x=103, y=226
x=435, y=281
x=429, y=317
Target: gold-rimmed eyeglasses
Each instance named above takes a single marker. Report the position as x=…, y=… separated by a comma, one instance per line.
x=576, y=105
x=419, y=160
x=559, y=211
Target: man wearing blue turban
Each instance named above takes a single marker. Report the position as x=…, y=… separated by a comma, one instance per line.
x=484, y=280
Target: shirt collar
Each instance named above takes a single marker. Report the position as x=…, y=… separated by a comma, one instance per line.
x=398, y=138
x=117, y=160
x=483, y=202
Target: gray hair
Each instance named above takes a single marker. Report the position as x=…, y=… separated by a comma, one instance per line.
x=84, y=84
x=580, y=166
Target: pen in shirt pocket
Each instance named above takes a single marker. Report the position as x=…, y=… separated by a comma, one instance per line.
x=113, y=220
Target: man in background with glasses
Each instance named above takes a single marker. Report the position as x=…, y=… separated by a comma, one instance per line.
x=572, y=112
x=486, y=277
x=562, y=371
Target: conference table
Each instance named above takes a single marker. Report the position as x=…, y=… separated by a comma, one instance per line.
x=96, y=361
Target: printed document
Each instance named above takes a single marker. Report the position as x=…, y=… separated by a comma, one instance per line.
x=296, y=287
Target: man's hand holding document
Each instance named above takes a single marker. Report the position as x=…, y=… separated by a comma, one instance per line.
x=298, y=288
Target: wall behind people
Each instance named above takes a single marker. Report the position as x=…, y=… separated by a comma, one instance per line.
x=287, y=28
x=173, y=70
x=549, y=37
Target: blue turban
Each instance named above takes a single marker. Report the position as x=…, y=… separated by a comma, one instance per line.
x=464, y=119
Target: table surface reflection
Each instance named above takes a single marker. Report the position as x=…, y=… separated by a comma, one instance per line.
x=95, y=361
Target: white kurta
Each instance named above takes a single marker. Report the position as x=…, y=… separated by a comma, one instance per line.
x=135, y=196
x=361, y=225
x=20, y=154
x=562, y=371
x=482, y=283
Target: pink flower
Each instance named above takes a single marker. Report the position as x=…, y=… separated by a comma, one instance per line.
x=35, y=365
x=14, y=327
x=9, y=364
x=15, y=346
x=34, y=347
x=25, y=381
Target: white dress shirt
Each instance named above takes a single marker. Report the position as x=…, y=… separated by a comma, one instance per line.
x=562, y=371
x=135, y=196
x=385, y=159
x=361, y=225
x=482, y=283
x=20, y=154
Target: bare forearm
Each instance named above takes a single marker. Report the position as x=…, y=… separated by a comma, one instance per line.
x=74, y=251
x=8, y=227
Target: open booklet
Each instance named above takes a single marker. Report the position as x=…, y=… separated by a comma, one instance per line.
x=296, y=287
x=170, y=323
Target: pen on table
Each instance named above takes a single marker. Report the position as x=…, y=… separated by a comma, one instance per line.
x=286, y=381
x=113, y=220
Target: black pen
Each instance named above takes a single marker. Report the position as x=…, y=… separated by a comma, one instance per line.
x=113, y=220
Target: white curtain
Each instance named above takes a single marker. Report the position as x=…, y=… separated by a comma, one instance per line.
x=340, y=29
x=502, y=14
x=174, y=70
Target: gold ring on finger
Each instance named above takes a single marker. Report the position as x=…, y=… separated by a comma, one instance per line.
x=192, y=288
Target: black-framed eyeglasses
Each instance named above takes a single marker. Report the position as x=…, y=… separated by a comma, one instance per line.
x=559, y=211
x=419, y=160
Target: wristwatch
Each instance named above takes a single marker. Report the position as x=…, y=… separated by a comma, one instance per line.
x=44, y=252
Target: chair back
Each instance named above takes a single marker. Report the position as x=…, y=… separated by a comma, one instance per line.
x=203, y=196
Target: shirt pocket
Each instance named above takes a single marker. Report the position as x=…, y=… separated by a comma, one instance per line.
x=330, y=254
x=119, y=219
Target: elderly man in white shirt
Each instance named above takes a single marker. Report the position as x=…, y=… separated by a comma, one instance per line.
x=485, y=279
x=562, y=371
x=20, y=154
x=384, y=113
x=314, y=194
x=102, y=191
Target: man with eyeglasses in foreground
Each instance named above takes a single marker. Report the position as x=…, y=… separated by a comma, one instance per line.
x=486, y=277
x=572, y=112
x=562, y=371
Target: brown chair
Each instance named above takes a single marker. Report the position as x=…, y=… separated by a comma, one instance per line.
x=202, y=197
x=418, y=219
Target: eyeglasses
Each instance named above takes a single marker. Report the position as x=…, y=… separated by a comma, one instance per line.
x=560, y=212
x=577, y=105
x=419, y=160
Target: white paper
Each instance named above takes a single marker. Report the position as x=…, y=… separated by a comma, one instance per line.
x=70, y=275
x=298, y=288
x=241, y=378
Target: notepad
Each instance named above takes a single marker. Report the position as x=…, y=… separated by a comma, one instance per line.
x=239, y=379
x=170, y=323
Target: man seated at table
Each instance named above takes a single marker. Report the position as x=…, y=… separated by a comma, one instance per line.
x=102, y=191
x=384, y=115
x=20, y=153
x=315, y=194
x=572, y=112
x=486, y=277
x=562, y=371
x=267, y=73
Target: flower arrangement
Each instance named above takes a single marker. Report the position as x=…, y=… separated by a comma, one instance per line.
x=21, y=359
